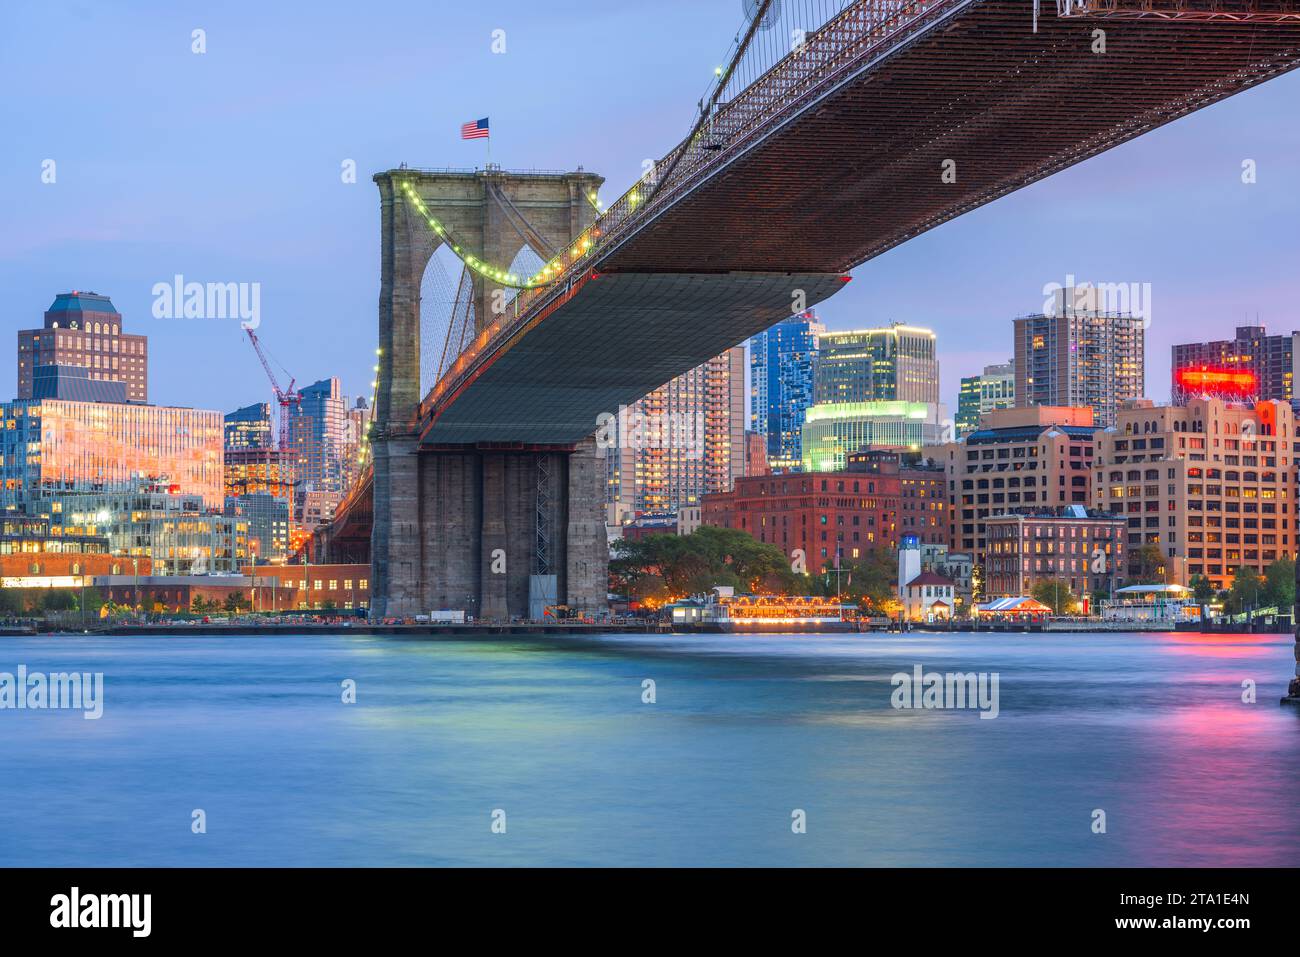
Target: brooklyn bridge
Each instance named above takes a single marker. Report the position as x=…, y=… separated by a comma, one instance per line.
x=837, y=131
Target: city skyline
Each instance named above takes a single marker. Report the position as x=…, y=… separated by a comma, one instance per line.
x=112, y=219
x=730, y=434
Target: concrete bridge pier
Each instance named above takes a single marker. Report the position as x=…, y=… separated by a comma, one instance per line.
x=487, y=531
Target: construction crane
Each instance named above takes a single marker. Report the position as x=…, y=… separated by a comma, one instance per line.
x=285, y=397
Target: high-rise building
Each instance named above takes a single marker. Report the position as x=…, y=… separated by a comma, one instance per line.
x=83, y=329
x=835, y=430
x=874, y=388
x=252, y=461
x=180, y=533
x=682, y=440
x=898, y=363
x=250, y=427
x=356, y=429
x=1211, y=483
x=316, y=437
x=994, y=388
x=267, y=517
x=57, y=445
x=782, y=365
x=1263, y=365
x=755, y=454
x=1079, y=355
x=1018, y=458
x=249, y=471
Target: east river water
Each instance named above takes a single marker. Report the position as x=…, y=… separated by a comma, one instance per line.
x=556, y=743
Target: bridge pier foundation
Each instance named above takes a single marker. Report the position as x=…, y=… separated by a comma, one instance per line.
x=587, y=553
x=395, y=538
x=459, y=529
x=495, y=559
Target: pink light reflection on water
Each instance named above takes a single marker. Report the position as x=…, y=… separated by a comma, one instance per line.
x=1204, y=785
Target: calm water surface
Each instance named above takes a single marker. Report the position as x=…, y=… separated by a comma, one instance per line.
x=1149, y=728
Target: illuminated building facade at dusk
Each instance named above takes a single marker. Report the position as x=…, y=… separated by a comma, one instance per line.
x=1082, y=548
x=834, y=430
x=994, y=388
x=317, y=437
x=897, y=363
x=1039, y=457
x=1270, y=359
x=178, y=532
x=682, y=440
x=782, y=365
x=250, y=427
x=250, y=471
x=267, y=518
x=1212, y=484
x=1080, y=357
x=56, y=445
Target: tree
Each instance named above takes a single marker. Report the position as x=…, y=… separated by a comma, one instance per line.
x=198, y=605
x=1279, y=586
x=1055, y=593
x=1202, y=589
x=667, y=566
x=870, y=581
x=58, y=600
x=234, y=601
x=10, y=602
x=1202, y=592
x=1098, y=596
x=1245, y=592
x=93, y=598
x=1146, y=565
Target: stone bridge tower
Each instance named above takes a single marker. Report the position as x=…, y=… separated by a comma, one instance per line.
x=444, y=518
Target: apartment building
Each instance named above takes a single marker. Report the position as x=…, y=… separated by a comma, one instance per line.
x=1034, y=457
x=1080, y=547
x=1211, y=483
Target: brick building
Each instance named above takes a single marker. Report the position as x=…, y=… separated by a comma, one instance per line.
x=297, y=587
x=172, y=594
x=1081, y=547
x=83, y=330
x=870, y=505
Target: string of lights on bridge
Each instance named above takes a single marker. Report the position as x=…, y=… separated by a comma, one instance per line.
x=374, y=397
x=548, y=274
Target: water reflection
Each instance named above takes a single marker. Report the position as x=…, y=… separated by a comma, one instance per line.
x=1149, y=728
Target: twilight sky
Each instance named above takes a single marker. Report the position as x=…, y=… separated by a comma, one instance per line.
x=225, y=167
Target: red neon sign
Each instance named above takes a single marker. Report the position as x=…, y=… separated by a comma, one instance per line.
x=1222, y=381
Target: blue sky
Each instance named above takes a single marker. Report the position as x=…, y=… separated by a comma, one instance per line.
x=226, y=167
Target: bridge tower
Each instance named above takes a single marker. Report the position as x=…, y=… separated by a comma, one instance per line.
x=472, y=527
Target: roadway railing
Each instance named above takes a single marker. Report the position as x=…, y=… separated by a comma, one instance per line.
x=1242, y=11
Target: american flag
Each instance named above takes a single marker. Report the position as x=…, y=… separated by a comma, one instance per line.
x=474, y=130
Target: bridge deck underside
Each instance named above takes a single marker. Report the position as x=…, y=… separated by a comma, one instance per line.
x=617, y=338
x=860, y=172
x=838, y=178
